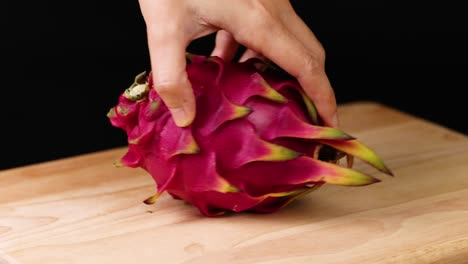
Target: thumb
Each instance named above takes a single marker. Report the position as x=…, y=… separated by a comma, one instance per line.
x=170, y=79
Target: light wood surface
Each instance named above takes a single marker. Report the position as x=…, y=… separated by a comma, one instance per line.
x=84, y=210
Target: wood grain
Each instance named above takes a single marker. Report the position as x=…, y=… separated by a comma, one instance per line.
x=84, y=210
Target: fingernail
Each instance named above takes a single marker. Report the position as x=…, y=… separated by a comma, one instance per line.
x=335, y=120
x=180, y=117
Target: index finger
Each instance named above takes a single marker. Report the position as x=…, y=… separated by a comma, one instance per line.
x=274, y=41
x=170, y=79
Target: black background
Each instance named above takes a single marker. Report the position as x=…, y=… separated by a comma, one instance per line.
x=66, y=62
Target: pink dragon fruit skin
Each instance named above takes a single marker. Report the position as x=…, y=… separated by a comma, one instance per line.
x=256, y=144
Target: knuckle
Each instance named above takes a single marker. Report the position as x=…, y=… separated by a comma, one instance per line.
x=168, y=94
x=313, y=64
x=261, y=25
x=262, y=19
x=166, y=88
x=171, y=92
x=259, y=16
x=320, y=53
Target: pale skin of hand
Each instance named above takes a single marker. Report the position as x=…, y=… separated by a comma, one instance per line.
x=267, y=28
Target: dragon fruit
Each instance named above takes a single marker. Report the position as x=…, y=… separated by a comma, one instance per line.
x=257, y=142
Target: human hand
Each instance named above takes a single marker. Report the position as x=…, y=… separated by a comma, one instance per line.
x=267, y=28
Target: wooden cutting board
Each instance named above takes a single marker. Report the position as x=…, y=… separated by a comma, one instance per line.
x=84, y=210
